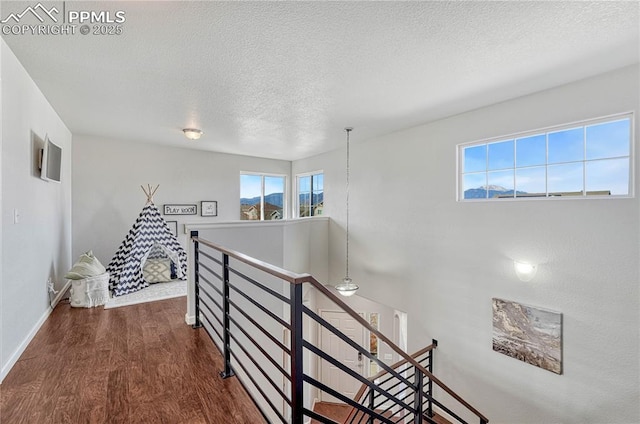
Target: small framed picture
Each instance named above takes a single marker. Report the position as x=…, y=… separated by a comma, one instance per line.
x=173, y=226
x=180, y=209
x=209, y=208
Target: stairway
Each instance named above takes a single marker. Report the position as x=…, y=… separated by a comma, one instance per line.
x=264, y=330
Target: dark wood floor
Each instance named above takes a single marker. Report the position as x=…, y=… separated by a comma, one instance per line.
x=136, y=364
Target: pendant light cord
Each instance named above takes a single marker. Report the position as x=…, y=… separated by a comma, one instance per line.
x=348, y=130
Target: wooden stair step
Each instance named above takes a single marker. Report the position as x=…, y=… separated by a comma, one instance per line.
x=339, y=412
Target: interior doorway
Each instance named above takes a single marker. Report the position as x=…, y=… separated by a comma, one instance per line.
x=388, y=320
x=331, y=375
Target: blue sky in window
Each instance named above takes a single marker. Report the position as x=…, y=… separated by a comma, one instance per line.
x=608, y=140
x=598, y=144
x=566, y=145
x=304, y=184
x=609, y=174
x=250, y=186
x=566, y=177
x=318, y=182
x=531, y=150
x=501, y=155
x=475, y=158
x=273, y=185
x=474, y=180
x=531, y=180
x=501, y=178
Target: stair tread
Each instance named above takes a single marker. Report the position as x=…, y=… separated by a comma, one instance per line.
x=440, y=419
x=340, y=412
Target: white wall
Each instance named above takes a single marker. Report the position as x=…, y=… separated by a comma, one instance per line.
x=39, y=245
x=107, y=197
x=417, y=249
x=306, y=247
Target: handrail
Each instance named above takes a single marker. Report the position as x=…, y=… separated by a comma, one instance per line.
x=291, y=277
x=295, y=278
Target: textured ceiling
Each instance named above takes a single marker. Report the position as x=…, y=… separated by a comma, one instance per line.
x=282, y=79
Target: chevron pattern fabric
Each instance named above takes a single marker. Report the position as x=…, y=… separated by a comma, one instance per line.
x=150, y=236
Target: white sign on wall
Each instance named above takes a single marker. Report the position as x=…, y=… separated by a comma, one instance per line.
x=180, y=209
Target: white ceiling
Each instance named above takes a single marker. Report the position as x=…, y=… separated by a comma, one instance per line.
x=282, y=79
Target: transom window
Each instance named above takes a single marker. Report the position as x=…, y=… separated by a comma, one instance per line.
x=262, y=196
x=310, y=194
x=587, y=159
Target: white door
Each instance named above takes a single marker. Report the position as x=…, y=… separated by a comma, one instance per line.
x=331, y=375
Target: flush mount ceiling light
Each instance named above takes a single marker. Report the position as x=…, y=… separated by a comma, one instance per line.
x=192, y=133
x=525, y=271
x=347, y=287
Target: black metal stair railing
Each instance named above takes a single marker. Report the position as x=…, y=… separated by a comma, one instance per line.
x=256, y=314
x=388, y=381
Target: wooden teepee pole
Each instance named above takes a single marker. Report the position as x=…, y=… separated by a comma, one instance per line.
x=149, y=192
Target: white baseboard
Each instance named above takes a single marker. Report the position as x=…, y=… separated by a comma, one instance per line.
x=23, y=346
x=191, y=319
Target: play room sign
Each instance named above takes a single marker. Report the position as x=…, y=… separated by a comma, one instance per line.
x=180, y=209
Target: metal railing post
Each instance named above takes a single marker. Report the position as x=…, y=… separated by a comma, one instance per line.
x=297, y=382
x=196, y=280
x=372, y=398
x=429, y=382
x=419, y=398
x=226, y=333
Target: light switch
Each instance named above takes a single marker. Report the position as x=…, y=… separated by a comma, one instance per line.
x=388, y=357
x=16, y=216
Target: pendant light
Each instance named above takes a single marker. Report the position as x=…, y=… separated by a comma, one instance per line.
x=347, y=287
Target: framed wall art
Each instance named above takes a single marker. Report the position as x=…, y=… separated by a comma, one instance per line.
x=529, y=334
x=173, y=226
x=209, y=208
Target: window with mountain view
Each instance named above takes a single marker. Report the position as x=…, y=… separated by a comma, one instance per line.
x=587, y=159
x=262, y=197
x=310, y=194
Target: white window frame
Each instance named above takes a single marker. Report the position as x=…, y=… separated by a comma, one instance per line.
x=263, y=175
x=546, y=131
x=296, y=201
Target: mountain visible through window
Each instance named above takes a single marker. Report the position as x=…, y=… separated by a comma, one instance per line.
x=310, y=194
x=262, y=197
x=587, y=159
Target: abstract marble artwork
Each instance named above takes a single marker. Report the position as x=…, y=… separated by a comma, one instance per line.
x=527, y=333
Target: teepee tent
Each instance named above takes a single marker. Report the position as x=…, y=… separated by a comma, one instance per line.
x=149, y=238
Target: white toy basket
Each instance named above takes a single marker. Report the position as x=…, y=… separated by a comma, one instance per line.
x=90, y=292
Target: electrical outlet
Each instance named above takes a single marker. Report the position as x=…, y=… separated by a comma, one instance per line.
x=50, y=287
